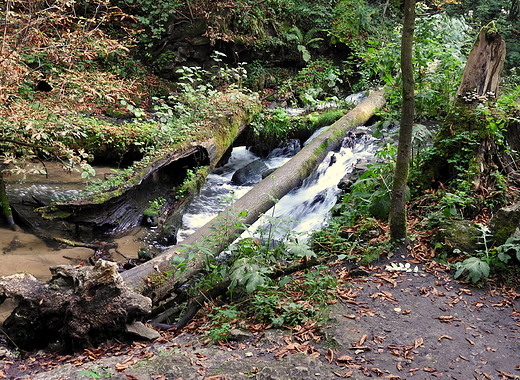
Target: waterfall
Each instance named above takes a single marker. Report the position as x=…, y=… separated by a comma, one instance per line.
x=307, y=207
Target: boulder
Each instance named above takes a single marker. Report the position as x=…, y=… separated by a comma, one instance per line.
x=463, y=235
x=505, y=223
x=249, y=174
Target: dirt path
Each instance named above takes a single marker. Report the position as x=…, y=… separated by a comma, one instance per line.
x=389, y=324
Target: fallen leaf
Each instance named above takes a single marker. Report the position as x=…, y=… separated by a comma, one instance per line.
x=329, y=355
x=508, y=375
x=470, y=341
x=344, y=358
x=429, y=369
x=121, y=367
x=344, y=375
x=464, y=358
x=418, y=342
x=445, y=337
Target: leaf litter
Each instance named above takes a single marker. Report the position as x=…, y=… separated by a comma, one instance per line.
x=391, y=324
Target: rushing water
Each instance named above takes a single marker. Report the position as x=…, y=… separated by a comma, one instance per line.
x=306, y=208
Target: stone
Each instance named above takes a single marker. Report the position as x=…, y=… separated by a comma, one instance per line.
x=505, y=223
x=463, y=235
x=138, y=329
x=249, y=174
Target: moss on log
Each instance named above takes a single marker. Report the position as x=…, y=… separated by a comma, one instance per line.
x=121, y=207
x=222, y=230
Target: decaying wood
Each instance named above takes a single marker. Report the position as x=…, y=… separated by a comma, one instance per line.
x=222, y=230
x=485, y=63
x=80, y=306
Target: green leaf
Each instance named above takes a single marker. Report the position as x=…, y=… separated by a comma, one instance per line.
x=476, y=268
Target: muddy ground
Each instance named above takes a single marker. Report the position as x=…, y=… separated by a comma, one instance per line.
x=385, y=324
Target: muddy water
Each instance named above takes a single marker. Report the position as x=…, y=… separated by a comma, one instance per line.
x=21, y=251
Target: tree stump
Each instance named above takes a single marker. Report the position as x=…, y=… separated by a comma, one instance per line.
x=80, y=307
x=485, y=63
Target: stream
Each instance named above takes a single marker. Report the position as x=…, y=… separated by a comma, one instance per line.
x=304, y=209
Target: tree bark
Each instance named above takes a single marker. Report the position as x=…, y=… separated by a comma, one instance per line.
x=485, y=63
x=398, y=203
x=5, y=206
x=217, y=234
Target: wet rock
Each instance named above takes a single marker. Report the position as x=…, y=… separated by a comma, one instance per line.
x=505, y=223
x=249, y=174
x=80, y=306
x=348, y=180
x=286, y=150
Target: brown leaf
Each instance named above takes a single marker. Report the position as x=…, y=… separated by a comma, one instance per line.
x=429, y=369
x=470, y=341
x=329, y=355
x=508, y=375
x=344, y=375
x=464, y=358
x=344, y=358
x=131, y=377
x=121, y=367
x=445, y=337
x=418, y=342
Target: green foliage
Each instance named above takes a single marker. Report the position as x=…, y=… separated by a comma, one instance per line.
x=314, y=82
x=503, y=12
x=97, y=373
x=511, y=248
x=154, y=207
x=370, y=194
x=221, y=319
x=439, y=58
x=304, y=41
x=476, y=268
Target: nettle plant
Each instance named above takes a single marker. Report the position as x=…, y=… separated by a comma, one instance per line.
x=250, y=266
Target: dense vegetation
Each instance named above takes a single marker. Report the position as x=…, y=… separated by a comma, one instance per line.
x=79, y=79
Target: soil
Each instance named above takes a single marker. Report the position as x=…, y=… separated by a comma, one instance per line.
x=385, y=323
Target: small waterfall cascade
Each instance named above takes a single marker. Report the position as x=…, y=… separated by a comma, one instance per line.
x=305, y=208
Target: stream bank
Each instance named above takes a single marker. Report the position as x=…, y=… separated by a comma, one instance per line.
x=388, y=324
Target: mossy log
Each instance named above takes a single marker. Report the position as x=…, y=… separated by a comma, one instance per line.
x=150, y=278
x=121, y=207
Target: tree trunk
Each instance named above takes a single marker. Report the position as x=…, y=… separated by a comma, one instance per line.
x=470, y=147
x=217, y=234
x=398, y=203
x=485, y=63
x=4, y=203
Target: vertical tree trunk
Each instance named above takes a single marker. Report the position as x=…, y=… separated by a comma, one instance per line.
x=4, y=204
x=398, y=203
x=485, y=63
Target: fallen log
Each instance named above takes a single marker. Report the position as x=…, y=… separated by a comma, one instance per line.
x=158, y=277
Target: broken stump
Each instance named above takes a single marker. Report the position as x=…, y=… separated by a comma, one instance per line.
x=80, y=307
